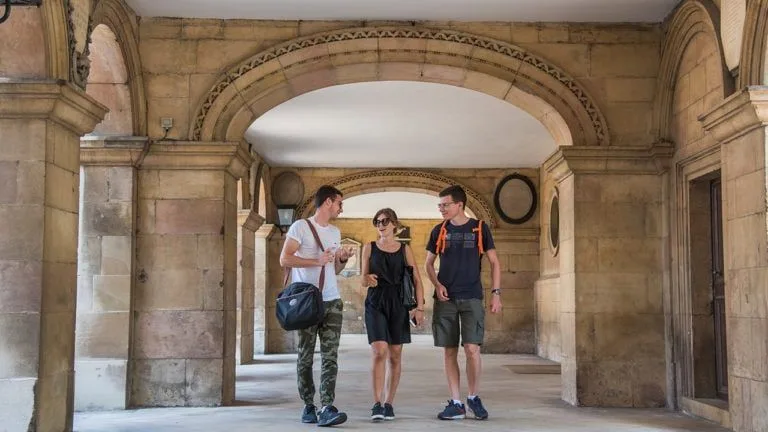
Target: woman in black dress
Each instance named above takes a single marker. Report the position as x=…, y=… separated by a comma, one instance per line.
x=386, y=318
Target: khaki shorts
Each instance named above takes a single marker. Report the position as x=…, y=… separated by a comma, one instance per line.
x=458, y=318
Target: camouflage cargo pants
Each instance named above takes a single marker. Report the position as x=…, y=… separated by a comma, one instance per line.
x=329, y=331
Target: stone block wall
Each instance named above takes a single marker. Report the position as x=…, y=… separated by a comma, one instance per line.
x=547, y=288
x=104, y=286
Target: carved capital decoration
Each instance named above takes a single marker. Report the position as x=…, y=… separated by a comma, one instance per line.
x=80, y=64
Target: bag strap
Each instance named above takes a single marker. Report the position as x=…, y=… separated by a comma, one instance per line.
x=287, y=270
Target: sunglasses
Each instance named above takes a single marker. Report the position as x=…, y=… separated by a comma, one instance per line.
x=382, y=222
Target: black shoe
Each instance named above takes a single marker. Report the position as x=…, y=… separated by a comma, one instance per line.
x=309, y=415
x=389, y=412
x=377, y=412
x=330, y=416
x=452, y=411
x=476, y=406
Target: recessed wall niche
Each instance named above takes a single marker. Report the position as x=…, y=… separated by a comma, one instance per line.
x=554, y=222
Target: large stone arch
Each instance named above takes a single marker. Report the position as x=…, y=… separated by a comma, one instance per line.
x=691, y=18
x=753, y=48
x=369, y=54
x=122, y=21
x=401, y=180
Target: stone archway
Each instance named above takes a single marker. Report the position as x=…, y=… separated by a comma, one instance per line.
x=692, y=18
x=402, y=180
x=356, y=55
x=753, y=49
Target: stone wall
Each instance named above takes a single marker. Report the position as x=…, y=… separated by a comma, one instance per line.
x=617, y=64
x=547, y=288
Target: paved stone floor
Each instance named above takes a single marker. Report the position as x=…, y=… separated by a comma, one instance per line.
x=267, y=401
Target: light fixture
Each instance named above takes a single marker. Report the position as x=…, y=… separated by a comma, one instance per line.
x=6, y=5
x=286, y=215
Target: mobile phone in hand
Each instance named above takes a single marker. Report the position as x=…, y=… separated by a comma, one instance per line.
x=413, y=321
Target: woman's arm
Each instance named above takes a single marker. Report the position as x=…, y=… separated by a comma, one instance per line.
x=368, y=280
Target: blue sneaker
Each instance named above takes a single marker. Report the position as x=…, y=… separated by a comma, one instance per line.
x=476, y=406
x=389, y=412
x=330, y=416
x=309, y=415
x=377, y=412
x=452, y=411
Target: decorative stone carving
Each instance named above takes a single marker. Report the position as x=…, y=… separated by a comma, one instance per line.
x=80, y=27
x=590, y=109
x=405, y=179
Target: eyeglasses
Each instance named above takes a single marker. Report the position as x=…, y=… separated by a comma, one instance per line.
x=382, y=222
x=339, y=202
x=444, y=205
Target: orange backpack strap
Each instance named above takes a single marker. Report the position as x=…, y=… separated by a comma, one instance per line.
x=441, y=239
x=479, y=231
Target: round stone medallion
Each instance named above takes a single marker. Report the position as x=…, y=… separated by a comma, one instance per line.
x=287, y=189
x=515, y=199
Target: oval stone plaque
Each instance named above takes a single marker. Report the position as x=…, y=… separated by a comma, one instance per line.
x=554, y=223
x=287, y=189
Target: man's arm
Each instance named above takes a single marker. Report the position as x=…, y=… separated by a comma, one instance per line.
x=288, y=256
x=440, y=290
x=495, y=279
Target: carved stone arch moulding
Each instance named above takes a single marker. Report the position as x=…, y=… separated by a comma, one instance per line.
x=410, y=180
x=275, y=75
x=116, y=15
x=753, y=55
x=689, y=19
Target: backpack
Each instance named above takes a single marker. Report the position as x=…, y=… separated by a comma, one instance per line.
x=442, y=238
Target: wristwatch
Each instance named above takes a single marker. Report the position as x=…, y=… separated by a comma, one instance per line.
x=496, y=291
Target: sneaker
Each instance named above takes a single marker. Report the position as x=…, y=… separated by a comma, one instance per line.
x=309, y=415
x=389, y=412
x=476, y=406
x=452, y=411
x=377, y=412
x=330, y=416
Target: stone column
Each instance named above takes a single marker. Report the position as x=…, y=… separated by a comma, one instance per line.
x=262, y=301
x=248, y=221
x=276, y=340
x=611, y=267
x=739, y=124
x=40, y=128
x=185, y=297
x=105, y=270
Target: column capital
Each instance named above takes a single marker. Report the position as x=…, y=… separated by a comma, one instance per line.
x=648, y=160
x=50, y=100
x=113, y=151
x=737, y=115
x=231, y=156
x=250, y=219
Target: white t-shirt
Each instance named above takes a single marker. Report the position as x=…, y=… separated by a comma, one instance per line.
x=331, y=238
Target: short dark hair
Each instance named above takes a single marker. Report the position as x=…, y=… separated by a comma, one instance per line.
x=325, y=192
x=456, y=193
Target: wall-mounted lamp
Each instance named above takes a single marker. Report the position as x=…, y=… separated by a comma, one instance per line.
x=6, y=5
x=286, y=215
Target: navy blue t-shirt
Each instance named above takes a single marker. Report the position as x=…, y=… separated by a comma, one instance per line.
x=460, y=262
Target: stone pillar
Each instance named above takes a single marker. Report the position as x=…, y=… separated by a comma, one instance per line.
x=248, y=221
x=611, y=267
x=105, y=270
x=739, y=124
x=185, y=297
x=40, y=128
x=512, y=330
x=261, y=286
x=276, y=340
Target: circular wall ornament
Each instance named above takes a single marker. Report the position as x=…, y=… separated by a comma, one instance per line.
x=554, y=223
x=515, y=199
x=287, y=189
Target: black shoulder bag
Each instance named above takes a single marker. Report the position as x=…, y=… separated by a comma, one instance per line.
x=408, y=292
x=300, y=304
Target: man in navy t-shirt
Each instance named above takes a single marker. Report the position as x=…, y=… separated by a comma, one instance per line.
x=459, y=313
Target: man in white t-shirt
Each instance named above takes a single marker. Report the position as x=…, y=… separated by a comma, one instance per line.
x=302, y=254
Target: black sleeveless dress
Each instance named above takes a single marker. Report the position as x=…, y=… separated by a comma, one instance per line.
x=386, y=319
